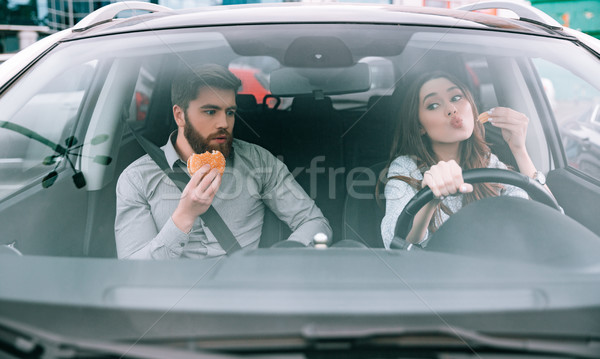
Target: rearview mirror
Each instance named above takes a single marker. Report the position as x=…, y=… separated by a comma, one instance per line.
x=293, y=81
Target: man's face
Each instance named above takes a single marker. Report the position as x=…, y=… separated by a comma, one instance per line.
x=209, y=120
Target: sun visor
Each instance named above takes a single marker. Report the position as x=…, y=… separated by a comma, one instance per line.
x=292, y=81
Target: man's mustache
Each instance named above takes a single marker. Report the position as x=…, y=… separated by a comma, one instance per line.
x=219, y=134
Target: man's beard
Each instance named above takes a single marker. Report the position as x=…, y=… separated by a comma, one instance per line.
x=200, y=144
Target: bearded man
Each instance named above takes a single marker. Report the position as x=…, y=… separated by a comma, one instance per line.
x=154, y=220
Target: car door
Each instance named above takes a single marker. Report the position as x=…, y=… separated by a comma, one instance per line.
x=563, y=137
x=572, y=103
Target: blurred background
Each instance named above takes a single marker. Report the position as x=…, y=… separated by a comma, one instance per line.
x=22, y=22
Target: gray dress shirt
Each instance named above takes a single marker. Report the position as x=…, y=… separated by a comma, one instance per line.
x=253, y=178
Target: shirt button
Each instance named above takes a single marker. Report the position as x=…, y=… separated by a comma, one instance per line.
x=182, y=244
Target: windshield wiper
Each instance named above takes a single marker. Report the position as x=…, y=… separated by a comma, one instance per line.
x=452, y=336
x=62, y=152
x=24, y=341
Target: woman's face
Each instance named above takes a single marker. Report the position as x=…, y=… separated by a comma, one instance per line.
x=444, y=112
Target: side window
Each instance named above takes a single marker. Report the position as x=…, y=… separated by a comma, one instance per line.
x=35, y=121
x=576, y=106
x=144, y=88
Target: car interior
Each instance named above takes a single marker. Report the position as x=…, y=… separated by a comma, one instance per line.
x=324, y=118
x=346, y=148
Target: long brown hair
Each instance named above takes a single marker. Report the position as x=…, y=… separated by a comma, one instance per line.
x=408, y=141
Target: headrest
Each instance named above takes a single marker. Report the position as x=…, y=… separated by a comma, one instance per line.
x=246, y=101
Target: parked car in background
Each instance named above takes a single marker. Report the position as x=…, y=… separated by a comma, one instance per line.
x=253, y=82
x=502, y=278
x=581, y=138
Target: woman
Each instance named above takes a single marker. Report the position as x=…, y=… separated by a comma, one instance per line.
x=438, y=136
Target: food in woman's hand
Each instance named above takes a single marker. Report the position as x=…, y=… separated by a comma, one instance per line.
x=214, y=159
x=483, y=117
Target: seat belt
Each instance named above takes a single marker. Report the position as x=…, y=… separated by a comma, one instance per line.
x=211, y=217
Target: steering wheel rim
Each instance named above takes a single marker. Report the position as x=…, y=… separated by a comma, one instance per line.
x=533, y=188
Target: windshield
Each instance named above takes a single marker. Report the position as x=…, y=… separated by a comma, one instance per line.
x=324, y=103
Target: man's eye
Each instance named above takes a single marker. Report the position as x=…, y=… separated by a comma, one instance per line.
x=433, y=106
x=210, y=112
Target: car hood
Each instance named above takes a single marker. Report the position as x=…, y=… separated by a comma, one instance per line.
x=274, y=292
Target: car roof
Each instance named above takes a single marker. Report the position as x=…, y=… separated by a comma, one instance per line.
x=285, y=13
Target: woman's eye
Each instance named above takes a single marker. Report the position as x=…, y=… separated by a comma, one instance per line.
x=433, y=106
x=231, y=113
x=456, y=98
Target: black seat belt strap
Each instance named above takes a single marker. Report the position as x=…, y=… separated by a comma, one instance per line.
x=211, y=217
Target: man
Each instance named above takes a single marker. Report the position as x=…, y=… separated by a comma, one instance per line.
x=155, y=221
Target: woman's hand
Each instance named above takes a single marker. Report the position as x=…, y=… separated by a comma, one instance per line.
x=445, y=179
x=514, y=131
x=513, y=125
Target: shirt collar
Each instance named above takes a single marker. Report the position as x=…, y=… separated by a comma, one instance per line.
x=169, y=150
x=172, y=155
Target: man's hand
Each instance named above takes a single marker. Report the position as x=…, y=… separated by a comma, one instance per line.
x=197, y=196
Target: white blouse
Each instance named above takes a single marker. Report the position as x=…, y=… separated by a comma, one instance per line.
x=398, y=193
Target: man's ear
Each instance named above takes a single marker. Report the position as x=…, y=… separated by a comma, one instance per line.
x=179, y=115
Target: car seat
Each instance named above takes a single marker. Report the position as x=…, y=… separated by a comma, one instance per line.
x=364, y=207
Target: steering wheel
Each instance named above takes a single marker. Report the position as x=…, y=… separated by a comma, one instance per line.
x=533, y=188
